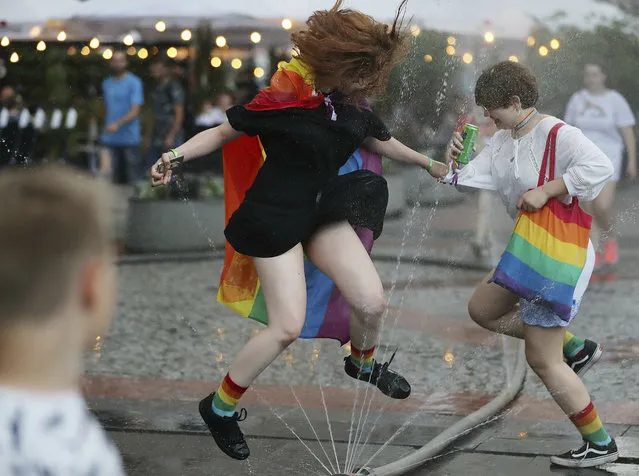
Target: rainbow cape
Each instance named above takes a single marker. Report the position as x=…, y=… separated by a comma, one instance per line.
x=327, y=312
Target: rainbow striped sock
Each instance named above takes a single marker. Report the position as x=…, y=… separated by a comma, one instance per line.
x=590, y=426
x=226, y=397
x=572, y=344
x=362, y=359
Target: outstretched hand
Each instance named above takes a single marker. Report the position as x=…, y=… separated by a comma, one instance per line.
x=164, y=177
x=438, y=170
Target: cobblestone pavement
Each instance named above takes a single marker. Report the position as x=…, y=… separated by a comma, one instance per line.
x=171, y=344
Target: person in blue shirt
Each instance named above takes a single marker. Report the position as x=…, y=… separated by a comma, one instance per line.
x=123, y=97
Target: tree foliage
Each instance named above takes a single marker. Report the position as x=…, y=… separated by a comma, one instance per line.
x=561, y=72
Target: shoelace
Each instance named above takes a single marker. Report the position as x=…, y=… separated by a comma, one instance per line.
x=235, y=434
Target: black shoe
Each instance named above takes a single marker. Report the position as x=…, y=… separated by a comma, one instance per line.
x=389, y=382
x=225, y=430
x=587, y=456
x=586, y=358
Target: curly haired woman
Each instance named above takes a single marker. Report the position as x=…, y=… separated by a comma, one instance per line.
x=297, y=204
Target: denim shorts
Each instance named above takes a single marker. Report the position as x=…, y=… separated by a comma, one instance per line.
x=540, y=316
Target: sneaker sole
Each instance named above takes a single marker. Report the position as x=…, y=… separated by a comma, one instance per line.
x=217, y=442
x=592, y=361
x=582, y=463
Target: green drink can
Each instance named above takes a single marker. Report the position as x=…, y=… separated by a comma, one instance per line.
x=469, y=137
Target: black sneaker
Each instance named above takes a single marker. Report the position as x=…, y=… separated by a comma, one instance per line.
x=225, y=430
x=586, y=358
x=587, y=456
x=389, y=382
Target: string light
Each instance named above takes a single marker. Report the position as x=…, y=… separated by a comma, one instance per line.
x=216, y=62
x=5, y=41
x=415, y=30
x=85, y=51
x=256, y=37
x=531, y=41
x=554, y=44
x=258, y=72
x=41, y=46
x=160, y=26
x=143, y=53
x=428, y=58
x=287, y=24
x=171, y=52
x=236, y=63
x=94, y=43
x=186, y=35
x=131, y=51
x=450, y=50
x=14, y=57
x=35, y=31
x=72, y=50
x=514, y=59
x=543, y=51
x=220, y=41
x=107, y=54
x=451, y=40
x=62, y=36
x=128, y=40
x=467, y=58
x=489, y=37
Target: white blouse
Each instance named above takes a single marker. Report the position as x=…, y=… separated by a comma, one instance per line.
x=511, y=166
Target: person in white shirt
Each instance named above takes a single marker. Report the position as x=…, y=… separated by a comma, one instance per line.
x=510, y=165
x=605, y=117
x=57, y=294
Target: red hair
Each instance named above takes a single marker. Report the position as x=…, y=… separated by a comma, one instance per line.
x=345, y=48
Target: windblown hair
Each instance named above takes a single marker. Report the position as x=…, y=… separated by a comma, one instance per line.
x=345, y=48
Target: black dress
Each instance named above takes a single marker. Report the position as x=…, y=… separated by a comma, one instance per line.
x=297, y=189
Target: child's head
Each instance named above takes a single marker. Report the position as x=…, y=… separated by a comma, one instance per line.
x=504, y=90
x=350, y=52
x=56, y=258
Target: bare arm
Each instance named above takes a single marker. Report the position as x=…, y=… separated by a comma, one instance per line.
x=629, y=138
x=199, y=145
x=395, y=150
x=208, y=141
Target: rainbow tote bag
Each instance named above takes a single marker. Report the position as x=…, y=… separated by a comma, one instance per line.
x=548, y=248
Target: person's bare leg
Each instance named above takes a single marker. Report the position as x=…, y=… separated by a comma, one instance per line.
x=545, y=357
x=338, y=252
x=494, y=308
x=284, y=288
x=544, y=353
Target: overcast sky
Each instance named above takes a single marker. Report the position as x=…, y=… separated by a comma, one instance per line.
x=509, y=17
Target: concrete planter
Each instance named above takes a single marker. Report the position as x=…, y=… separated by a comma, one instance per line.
x=396, y=194
x=174, y=225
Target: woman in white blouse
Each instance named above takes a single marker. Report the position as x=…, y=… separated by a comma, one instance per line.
x=510, y=166
x=605, y=117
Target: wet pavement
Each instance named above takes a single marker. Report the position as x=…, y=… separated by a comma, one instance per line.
x=171, y=344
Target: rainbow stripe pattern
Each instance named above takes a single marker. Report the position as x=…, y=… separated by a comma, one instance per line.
x=363, y=359
x=547, y=250
x=226, y=397
x=590, y=426
x=327, y=312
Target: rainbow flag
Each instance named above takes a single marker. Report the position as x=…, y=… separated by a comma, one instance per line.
x=327, y=312
x=547, y=251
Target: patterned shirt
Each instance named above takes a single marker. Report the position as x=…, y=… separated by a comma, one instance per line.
x=52, y=435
